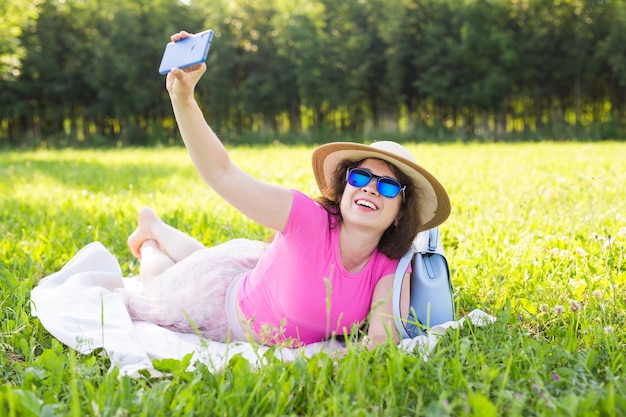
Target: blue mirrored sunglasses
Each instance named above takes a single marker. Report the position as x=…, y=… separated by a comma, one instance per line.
x=386, y=186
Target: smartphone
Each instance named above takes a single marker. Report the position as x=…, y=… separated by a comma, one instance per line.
x=187, y=52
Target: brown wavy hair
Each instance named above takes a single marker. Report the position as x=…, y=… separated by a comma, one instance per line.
x=396, y=240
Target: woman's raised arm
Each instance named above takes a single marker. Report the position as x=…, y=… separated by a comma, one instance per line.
x=264, y=203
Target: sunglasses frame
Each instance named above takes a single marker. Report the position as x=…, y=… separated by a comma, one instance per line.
x=378, y=178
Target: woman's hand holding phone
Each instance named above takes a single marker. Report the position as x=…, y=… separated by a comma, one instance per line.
x=186, y=50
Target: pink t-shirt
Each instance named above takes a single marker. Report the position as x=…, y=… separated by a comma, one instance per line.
x=286, y=294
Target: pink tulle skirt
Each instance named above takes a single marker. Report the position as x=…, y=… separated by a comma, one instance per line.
x=190, y=296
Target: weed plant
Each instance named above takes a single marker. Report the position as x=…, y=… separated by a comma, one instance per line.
x=536, y=238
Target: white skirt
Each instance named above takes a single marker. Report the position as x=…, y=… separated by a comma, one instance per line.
x=190, y=296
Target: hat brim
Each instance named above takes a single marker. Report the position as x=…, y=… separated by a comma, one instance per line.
x=433, y=202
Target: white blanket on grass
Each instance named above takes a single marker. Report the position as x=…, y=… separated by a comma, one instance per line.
x=79, y=305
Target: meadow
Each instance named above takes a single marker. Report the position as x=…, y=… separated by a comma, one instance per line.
x=536, y=238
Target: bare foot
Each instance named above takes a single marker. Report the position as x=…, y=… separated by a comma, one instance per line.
x=146, y=220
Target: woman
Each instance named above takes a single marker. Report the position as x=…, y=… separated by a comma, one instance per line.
x=331, y=263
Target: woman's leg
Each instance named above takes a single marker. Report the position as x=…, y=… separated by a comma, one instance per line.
x=175, y=243
x=153, y=261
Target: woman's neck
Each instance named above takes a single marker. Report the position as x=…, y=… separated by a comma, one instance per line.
x=356, y=248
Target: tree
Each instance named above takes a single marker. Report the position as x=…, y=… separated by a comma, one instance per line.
x=85, y=71
x=612, y=50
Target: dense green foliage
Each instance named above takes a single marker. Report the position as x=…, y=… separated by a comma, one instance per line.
x=537, y=238
x=85, y=71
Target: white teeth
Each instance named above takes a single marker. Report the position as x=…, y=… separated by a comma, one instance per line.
x=365, y=203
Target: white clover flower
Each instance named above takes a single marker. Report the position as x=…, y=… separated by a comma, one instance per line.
x=608, y=242
x=598, y=237
x=558, y=309
x=555, y=251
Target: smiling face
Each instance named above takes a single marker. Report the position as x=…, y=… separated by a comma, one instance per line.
x=364, y=206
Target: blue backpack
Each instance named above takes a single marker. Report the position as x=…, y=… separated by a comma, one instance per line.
x=432, y=302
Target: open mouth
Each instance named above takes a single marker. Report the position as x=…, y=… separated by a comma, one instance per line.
x=365, y=203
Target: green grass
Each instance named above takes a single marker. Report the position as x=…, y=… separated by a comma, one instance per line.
x=536, y=238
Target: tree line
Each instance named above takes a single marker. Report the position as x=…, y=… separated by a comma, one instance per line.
x=85, y=71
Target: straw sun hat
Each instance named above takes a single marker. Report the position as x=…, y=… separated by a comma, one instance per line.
x=433, y=204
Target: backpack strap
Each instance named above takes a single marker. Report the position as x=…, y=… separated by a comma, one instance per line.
x=398, y=278
x=433, y=238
